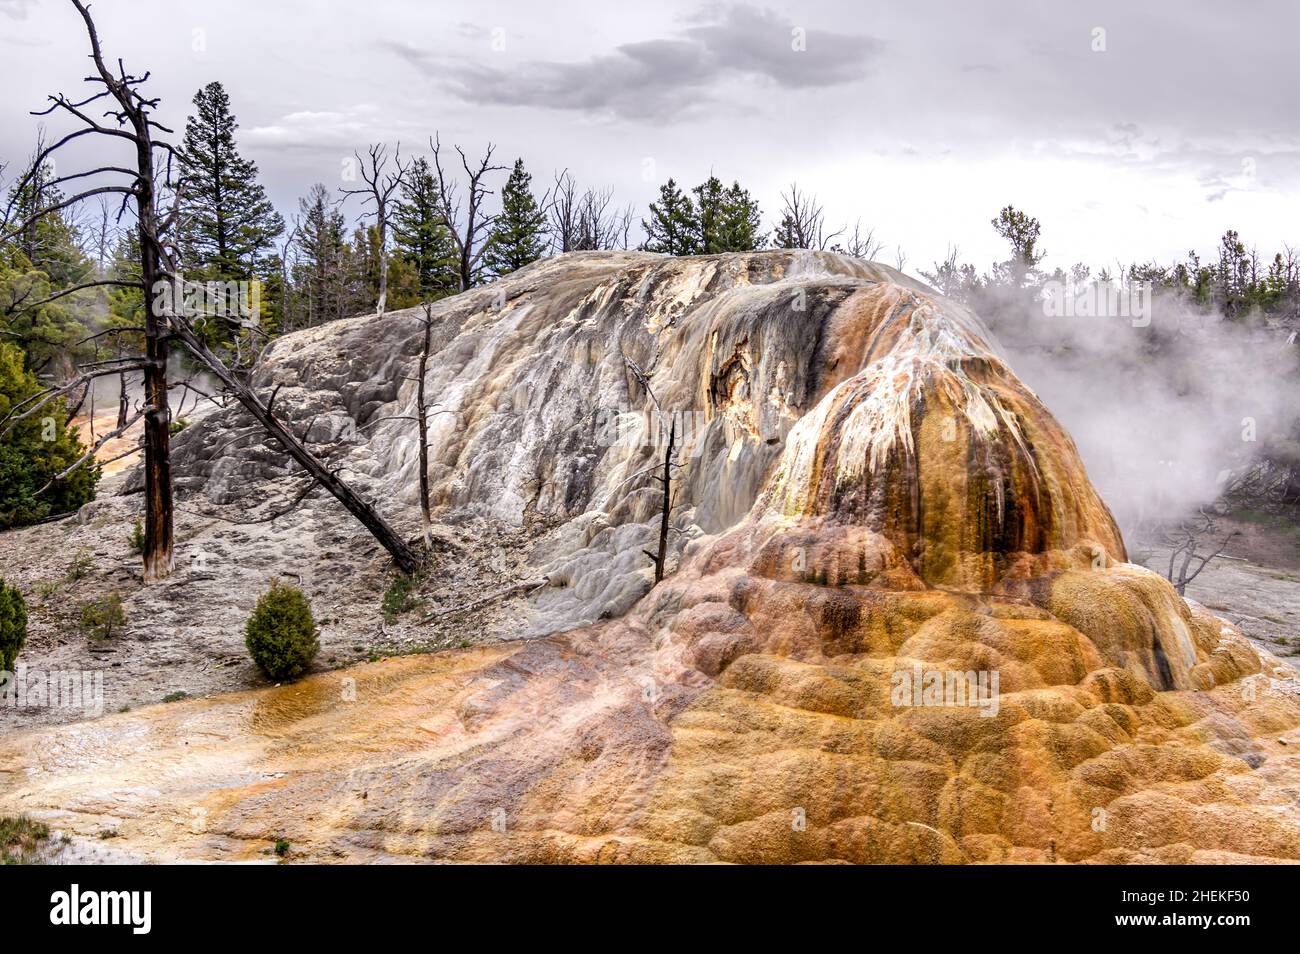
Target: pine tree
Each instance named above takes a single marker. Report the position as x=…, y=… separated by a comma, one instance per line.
x=727, y=218
x=36, y=450
x=785, y=236
x=741, y=220
x=673, y=226
x=519, y=232
x=710, y=198
x=1021, y=232
x=51, y=244
x=421, y=235
x=227, y=223
x=320, y=247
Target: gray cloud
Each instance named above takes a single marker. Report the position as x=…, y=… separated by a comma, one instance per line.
x=662, y=78
x=15, y=9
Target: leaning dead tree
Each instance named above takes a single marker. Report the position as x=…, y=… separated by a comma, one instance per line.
x=468, y=234
x=381, y=185
x=165, y=318
x=404, y=555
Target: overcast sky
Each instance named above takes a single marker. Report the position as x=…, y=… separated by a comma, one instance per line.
x=1130, y=130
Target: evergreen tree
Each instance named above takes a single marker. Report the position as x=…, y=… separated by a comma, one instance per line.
x=728, y=218
x=673, y=226
x=228, y=223
x=51, y=244
x=710, y=199
x=421, y=236
x=519, y=233
x=786, y=235
x=741, y=221
x=1021, y=233
x=319, y=271
x=36, y=450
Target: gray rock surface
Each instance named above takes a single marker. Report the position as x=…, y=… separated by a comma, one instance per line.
x=538, y=423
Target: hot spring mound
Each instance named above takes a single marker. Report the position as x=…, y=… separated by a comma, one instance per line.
x=918, y=641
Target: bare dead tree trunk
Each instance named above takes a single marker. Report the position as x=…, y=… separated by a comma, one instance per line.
x=422, y=416
x=804, y=221
x=403, y=555
x=379, y=191
x=469, y=236
x=122, y=401
x=163, y=320
x=159, y=560
x=563, y=212
x=660, y=557
x=1186, y=541
x=133, y=110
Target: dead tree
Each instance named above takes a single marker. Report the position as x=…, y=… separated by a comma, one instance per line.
x=422, y=416
x=470, y=234
x=660, y=557
x=403, y=554
x=803, y=222
x=1189, y=542
x=563, y=212
x=600, y=227
x=164, y=313
x=132, y=113
x=586, y=220
x=859, y=244
x=379, y=190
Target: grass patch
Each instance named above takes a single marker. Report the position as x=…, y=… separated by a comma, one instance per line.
x=22, y=840
x=401, y=596
x=80, y=567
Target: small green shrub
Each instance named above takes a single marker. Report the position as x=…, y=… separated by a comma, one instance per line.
x=13, y=625
x=100, y=618
x=176, y=426
x=80, y=566
x=281, y=847
x=400, y=596
x=176, y=696
x=136, y=539
x=281, y=634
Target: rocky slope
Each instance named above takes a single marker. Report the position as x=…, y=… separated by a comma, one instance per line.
x=898, y=628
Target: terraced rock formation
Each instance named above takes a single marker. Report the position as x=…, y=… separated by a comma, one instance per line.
x=898, y=625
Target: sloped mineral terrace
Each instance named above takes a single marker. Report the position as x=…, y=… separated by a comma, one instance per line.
x=869, y=501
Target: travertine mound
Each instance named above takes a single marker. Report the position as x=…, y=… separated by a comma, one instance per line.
x=883, y=407
x=900, y=627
